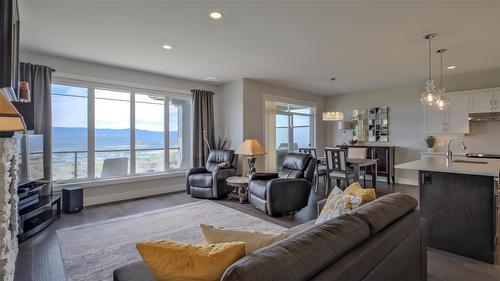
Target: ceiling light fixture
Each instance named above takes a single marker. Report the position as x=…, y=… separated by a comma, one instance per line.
x=216, y=15
x=442, y=102
x=333, y=115
x=210, y=78
x=451, y=67
x=430, y=95
x=167, y=47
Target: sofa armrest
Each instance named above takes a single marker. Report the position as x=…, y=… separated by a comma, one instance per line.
x=263, y=176
x=193, y=171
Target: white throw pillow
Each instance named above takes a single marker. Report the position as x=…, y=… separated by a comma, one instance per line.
x=254, y=240
x=338, y=203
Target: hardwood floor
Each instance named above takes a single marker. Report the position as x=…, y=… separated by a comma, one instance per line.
x=40, y=257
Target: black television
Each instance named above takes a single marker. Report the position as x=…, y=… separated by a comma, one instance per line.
x=31, y=152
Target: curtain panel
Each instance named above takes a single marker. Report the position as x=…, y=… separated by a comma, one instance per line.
x=203, y=124
x=39, y=78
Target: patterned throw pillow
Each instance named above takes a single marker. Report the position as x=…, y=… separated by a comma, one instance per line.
x=338, y=203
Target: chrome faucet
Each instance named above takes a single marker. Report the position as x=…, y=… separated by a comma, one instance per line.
x=449, y=154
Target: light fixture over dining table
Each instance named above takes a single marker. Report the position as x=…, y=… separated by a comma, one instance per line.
x=333, y=115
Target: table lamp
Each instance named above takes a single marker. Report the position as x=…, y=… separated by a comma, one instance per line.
x=250, y=148
x=10, y=119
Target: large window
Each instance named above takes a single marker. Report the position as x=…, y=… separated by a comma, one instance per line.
x=106, y=132
x=288, y=128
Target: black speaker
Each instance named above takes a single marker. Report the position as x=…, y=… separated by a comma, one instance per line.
x=72, y=199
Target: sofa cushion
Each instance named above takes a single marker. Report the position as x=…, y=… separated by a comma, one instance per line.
x=302, y=255
x=201, y=180
x=136, y=271
x=258, y=188
x=338, y=203
x=384, y=210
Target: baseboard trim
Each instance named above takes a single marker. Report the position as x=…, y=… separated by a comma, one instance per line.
x=145, y=192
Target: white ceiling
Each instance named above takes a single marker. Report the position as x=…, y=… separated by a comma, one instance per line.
x=299, y=44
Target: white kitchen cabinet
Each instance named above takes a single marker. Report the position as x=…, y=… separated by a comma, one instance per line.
x=452, y=121
x=457, y=116
x=481, y=101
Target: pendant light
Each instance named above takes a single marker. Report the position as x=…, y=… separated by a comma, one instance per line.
x=442, y=102
x=430, y=95
x=333, y=115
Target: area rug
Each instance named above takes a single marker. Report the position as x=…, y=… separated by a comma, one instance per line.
x=90, y=252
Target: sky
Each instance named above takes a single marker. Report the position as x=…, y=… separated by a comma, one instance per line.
x=110, y=114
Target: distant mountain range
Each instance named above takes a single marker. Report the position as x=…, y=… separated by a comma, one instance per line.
x=76, y=138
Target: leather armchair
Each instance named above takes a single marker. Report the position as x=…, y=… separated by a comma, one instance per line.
x=279, y=194
x=210, y=181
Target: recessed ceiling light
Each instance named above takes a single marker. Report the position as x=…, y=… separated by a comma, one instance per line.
x=216, y=15
x=210, y=78
x=167, y=47
x=451, y=67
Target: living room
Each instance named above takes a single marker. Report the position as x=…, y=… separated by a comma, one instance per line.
x=206, y=140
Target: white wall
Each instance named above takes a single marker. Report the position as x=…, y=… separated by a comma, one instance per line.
x=406, y=117
x=132, y=188
x=253, y=108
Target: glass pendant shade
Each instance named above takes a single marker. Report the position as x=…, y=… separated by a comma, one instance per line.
x=430, y=96
x=442, y=102
x=333, y=116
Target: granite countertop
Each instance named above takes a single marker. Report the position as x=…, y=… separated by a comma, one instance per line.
x=438, y=164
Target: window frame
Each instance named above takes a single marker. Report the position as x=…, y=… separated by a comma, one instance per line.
x=168, y=94
x=288, y=112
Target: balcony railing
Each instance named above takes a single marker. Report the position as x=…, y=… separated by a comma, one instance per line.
x=73, y=164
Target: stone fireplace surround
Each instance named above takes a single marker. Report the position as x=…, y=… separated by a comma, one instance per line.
x=9, y=162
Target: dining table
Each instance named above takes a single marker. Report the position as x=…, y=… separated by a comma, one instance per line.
x=357, y=164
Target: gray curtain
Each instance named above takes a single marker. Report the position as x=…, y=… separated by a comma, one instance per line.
x=203, y=121
x=39, y=78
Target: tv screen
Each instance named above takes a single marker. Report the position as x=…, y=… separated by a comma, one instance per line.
x=31, y=151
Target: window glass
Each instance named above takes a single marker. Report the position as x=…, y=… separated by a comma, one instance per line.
x=69, y=132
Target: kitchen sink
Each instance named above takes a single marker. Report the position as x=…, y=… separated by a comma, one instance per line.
x=471, y=162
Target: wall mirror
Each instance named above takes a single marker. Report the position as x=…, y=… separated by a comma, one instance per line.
x=371, y=124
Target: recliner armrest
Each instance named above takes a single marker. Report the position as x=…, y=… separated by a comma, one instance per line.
x=263, y=176
x=220, y=174
x=198, y=170
x=284, y=195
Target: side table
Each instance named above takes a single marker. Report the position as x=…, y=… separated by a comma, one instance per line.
x=241, y=185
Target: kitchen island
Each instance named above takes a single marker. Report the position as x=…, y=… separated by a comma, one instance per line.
x=458, y=199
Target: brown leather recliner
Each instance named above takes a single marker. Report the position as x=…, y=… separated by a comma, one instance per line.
x=210, y=181
x=279, y=194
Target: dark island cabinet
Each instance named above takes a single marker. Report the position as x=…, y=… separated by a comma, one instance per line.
x=385, y=157
x=461, y=214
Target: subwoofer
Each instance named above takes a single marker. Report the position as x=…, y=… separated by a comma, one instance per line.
x=72, y=199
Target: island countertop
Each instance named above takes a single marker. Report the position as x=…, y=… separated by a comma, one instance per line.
x=438, y=164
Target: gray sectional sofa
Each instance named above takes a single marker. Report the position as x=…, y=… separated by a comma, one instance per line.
x=382, y=240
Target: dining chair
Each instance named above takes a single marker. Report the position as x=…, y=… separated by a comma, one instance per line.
x=321, y=170
x=359, y=153
x=336, y=166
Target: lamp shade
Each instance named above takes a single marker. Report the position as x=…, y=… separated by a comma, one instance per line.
x=344, y=125
x=250, y=148
x=333, y=116
x=10, y=119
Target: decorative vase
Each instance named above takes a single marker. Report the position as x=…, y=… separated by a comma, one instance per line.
x=430, y=149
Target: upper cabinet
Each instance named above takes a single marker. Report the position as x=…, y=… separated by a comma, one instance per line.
x=452, y=121
x=482, y=101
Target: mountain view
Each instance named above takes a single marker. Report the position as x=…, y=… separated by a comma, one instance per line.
x=65, y=139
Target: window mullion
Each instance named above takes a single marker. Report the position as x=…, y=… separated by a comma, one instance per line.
x=166, y=126
x=132, y=134
x=91, y=133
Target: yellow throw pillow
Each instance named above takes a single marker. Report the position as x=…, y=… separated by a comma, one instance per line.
x=366, y=194
x=254, y=240
x=169, y=260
